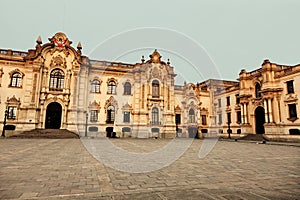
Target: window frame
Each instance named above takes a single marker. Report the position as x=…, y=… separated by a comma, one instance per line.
x=95, y=86
x=155, y=116
x=127, y=88
x=57, y=81
x=126, y=117
x=290, y=87
x=192, y=118
x=12, y=112
x=93, y=115
x=110, y=117
x=155, y=89
x=292, y=111
x=111, y=87
x=203, y=119
x=16, y=81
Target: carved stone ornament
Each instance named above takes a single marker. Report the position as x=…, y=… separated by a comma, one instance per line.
x=127, y=107
x=111, y=101
x=94, y=104
x=155, y=73
x=13, y=100
x=58, y=61
x=60, y=42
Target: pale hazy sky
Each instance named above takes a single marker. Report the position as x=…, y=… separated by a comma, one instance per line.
x=235, y=33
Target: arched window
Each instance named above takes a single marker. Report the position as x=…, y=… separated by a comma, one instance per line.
x=155, y=88
x=57, y=79
x=155, y=118
x=16, y=79
x=192, y=115
x=95, y=86
x=257, y=90
x=127, y=88
x=111, y=87
x=110, y=114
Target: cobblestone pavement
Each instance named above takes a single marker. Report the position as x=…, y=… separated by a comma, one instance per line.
x=63, y=169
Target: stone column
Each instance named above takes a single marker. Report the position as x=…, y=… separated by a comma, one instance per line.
x=242, y=113
x=245, y=113
x=266, y=111
x=270, y=110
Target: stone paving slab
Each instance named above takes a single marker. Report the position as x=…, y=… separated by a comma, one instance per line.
x=63, y=169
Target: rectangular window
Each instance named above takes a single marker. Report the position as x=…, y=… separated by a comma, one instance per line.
x=94, y=116
x=203, y=119
x=219, y=103
x=239, y=117
x=126, y=117
x=220, y=119
x=12, y=112
x=178, y=119
x=292, y=111
x=229, y=117
x=237, y=99
x=290, y=86
x=228, y=101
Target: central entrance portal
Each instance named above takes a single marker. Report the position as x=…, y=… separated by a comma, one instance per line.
x=193, y=132
x=259, y=120
x=53, y=116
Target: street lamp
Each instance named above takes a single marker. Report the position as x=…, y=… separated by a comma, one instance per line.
x=86, y=123
x=229, y=121
x=4, y=123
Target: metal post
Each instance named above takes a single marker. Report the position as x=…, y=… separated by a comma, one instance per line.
x=229, y=130
x=86, y=123
x=4, y=123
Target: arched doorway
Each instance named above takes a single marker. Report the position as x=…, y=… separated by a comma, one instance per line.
x=193, y=132
x=53, y=116
x=259, y=120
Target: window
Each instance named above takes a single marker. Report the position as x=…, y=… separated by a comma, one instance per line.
x=155, y=88
x=220, y=119
x=228, y=101
x=237, y=99
x=57, y=79
x=229, y=117
x=95, y=86
x=127, y=88
x=16, y=79
x=12, y=112
x=219, y=103
x=203, y=119
x=257, y=90
x=110, y=114
x=192, y=115
x=111, y=87
x=94, y=115
x=239, y=117
x=178, y=119
x=126, y=116
x=290, y=86
x=292, y=111
x=155, y=119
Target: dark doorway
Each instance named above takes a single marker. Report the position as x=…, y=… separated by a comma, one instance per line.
x=193, y=132
x=260, y=120
x=53, y=116
x=109, y=131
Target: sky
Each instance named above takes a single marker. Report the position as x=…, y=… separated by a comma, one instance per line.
x=235, y=34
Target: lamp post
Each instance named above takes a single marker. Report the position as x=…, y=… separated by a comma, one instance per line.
x=86, y=123
x=4, y=123
x=229, y=130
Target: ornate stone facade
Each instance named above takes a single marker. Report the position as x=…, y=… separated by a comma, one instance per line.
x=55, y=86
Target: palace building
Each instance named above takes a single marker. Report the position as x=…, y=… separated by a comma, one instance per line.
x=54, y=86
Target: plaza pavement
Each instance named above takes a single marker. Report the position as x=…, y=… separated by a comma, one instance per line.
x=63, y=169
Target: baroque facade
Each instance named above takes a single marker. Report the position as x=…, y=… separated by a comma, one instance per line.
x=54, y=86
